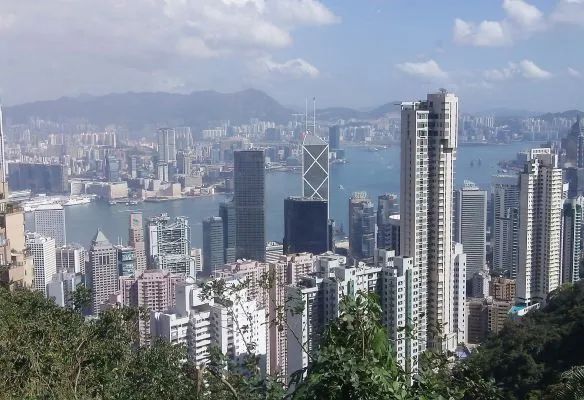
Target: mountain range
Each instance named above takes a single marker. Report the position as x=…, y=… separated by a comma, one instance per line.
x=198, y=109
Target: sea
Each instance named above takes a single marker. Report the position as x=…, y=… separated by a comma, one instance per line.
x=366, y=170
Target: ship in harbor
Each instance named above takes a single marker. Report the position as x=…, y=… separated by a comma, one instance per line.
x=32, y=204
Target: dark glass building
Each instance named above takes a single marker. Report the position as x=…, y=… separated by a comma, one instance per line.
x=227, y=214
x=112, y=169
x=335, y=137
x=306, y=225
x=249, y=181
x=213, y=255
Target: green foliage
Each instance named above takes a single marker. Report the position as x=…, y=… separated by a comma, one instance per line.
x=528, y=357
x=47, y=352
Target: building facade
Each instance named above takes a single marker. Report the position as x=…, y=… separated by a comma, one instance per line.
x=250, y=204
x=541, y=192
x=305, y=225
x=213, y=245
x=505, y=225
x=42, y=249
x=362, y=227
x=102, y=272
x=49, y=221
x=470, y=226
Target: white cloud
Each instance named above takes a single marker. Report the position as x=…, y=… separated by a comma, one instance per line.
x=521, y=19
x=568, y=12
x=295, y=68
x=574, y=72
x=486, y=33
x=526, y=69
x=427, y=69
x=530, y=70
x=522, y=13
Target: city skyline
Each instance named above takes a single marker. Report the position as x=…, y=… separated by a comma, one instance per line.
x=508, y=53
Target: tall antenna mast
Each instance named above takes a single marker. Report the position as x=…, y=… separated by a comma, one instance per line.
x=314, y=115
x=306, y=116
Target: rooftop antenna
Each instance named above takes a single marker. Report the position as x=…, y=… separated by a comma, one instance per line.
x=306, y=116
x=314, y=116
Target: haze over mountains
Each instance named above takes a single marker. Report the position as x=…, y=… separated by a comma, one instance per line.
x=198, y=109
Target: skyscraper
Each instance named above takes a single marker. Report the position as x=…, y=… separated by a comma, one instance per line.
x=169, y=244
x=249, y=200
x=112, y=169
x=573, y=144
x=315, y=168
x=71, y=258
x=428, y=151
x=362, y=233
x=470, y=226
x=166, y=145
x=126, y=260
x=42, y=249
x=388, y=222
x=213, y=251
x=305, y=225
x=505, y=236
x=49, y=220
x=152, y=289
x=103, y=271
x=335, y=137
x=540, y=221
x=573, y=216
x=227, y=214
x=136, y=240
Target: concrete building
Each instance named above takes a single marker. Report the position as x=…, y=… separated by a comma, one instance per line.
x=71, y=258
x=62, y=286
x=197, y=257
x=136, y=240
x=287, y=270
x=250, y=204
x=18, y=267
x=573, y=218
x=429, y=131
x=166, y=145
x=49, y=221
x=102, y=272
x=201, y=324
x=213, y=250
x=470, y=226
x=319, y=299
x=503, y=289
x=42, y=250
x=362, y=227
x=505, y=236
x=540, y=223
x=152, y=289
x=227, y=214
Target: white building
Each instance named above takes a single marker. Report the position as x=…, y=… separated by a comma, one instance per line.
x=102, y=271
x=541, y=191
x=203, y=323
x=61, y=287
x=169, y=244
x=49, y=221
x=71, y=258
x=314, y=301
x=470, y=227
x=397, y=306
x=44, y=261
x=429, y=132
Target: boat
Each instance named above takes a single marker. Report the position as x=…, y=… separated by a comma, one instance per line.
x=341, y=187
x=112, y=202
x=74, y=201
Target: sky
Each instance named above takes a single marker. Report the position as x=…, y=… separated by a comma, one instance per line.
x=517, y=54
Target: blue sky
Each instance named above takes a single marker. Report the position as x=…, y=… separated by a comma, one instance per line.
x=518, y=54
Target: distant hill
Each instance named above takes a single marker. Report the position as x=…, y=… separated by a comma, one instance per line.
x=198, y=109
x=564, y=114
x=135, y=110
